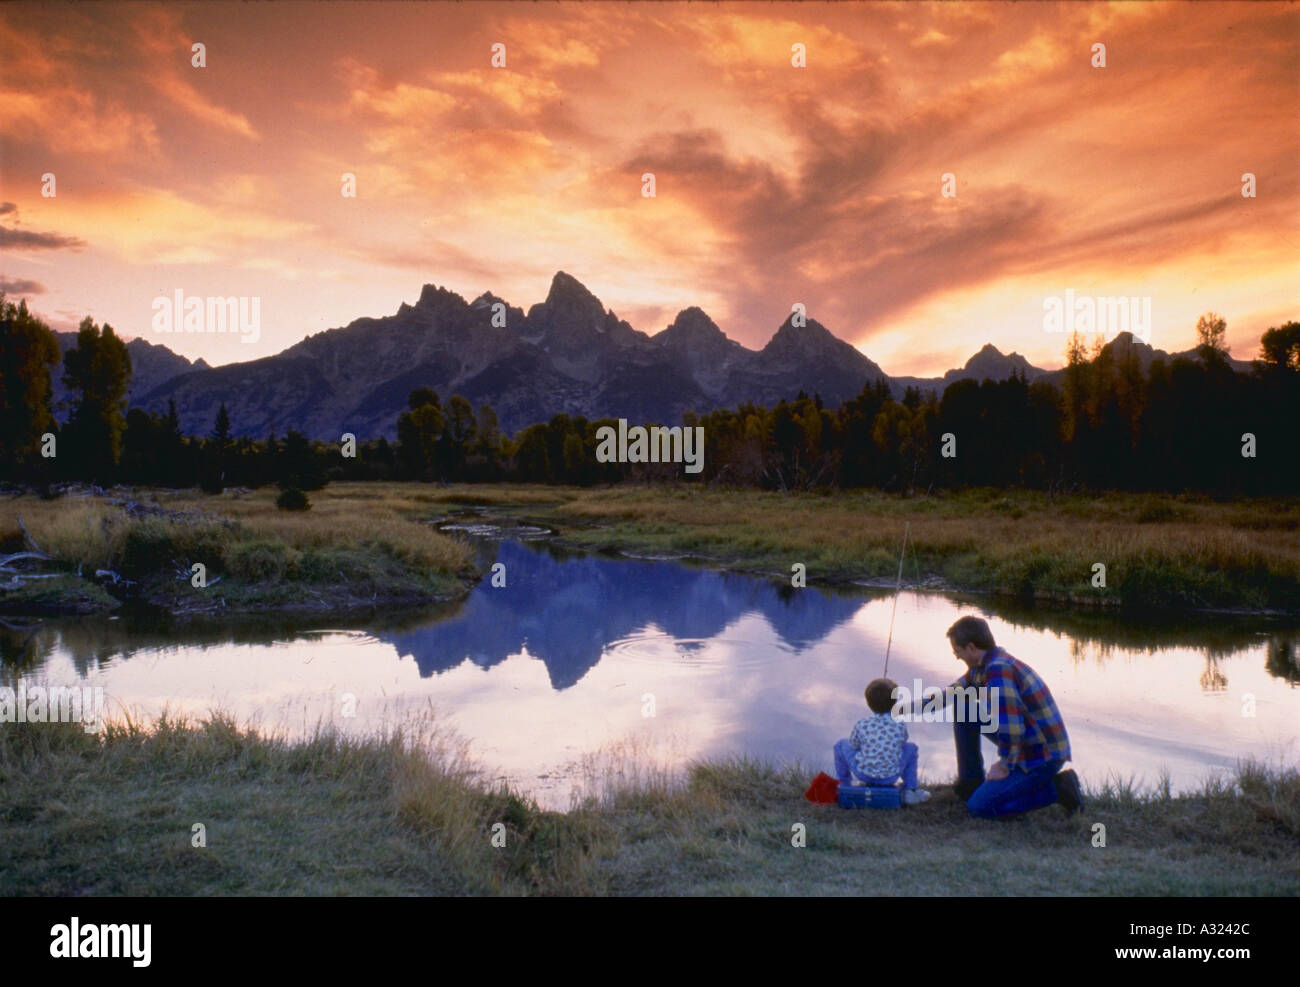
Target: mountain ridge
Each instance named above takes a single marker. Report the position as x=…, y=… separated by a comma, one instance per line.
x=567, y=354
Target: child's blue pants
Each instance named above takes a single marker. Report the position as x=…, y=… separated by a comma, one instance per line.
x=845, y=756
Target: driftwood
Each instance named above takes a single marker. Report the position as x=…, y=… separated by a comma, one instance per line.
x=17, y=579
x=30, y=540
x=6, y=560
x=108, y=575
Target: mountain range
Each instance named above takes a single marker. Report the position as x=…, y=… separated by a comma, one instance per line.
x=567, y=354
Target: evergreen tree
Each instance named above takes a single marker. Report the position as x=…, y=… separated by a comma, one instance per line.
x=221, y=428
x=28, y=350
x=216, y=453
x=298, y=466
x=97, y=370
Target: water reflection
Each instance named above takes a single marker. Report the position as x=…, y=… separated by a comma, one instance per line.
x=566, y=610
x=558, y=662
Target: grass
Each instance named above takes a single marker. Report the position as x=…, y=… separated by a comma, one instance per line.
x=115, y=815
x=406, y=813
x=371, y=543
x=351, y=549
x=1176, y=552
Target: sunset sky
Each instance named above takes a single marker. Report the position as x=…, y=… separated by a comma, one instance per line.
x=775, y=184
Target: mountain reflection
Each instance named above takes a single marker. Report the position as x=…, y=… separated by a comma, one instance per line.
x=566, y=610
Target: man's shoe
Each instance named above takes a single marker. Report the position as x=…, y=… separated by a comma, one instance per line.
x=965, y=788
x=915, y=796
x=1068, y=793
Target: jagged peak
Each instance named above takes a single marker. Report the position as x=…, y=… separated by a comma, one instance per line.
x=1126, y=340
x=989, y=352
x=695, y=321
x=486, y=300
x=811, y=329
x=432, y=296
x=568, y=291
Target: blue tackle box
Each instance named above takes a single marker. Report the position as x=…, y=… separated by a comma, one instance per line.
x=870, y=796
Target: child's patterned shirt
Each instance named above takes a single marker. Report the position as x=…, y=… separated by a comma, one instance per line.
x=878, y=740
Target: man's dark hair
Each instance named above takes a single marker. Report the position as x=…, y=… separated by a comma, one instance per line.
x=971, y=630
x=880, y=695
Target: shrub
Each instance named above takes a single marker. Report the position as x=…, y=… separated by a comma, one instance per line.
x=1154, y=512
x=258, y=561
x=153, y=545
x=292, y=499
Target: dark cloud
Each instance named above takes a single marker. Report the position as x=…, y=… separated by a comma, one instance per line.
x=37, y=241
x=21, y=286
x=7, y=207
x=784, y=228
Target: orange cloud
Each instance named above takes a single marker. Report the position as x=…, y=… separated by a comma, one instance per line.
x=773, y=183
x=204, y=110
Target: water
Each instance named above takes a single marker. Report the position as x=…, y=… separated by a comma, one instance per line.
x=587, y=664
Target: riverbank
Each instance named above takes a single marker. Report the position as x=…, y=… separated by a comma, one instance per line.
x=357, y=548
x=125, y=812
x=1159, y=551
x=372, y=546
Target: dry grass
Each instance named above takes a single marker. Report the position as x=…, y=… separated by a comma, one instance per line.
x=395, y=814
x=353, y=546
x=1171, y=551
x=406, y=813
x=90, y=531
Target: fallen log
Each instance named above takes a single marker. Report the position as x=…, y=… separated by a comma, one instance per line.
x=30, y=540
x=5, y=560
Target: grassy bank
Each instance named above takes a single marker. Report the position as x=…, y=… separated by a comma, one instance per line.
x=1159, y=551
x=357, y=547
x=371, y=545
x=114, y=814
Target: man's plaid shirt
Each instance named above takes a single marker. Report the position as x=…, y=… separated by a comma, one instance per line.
x=1030, y=729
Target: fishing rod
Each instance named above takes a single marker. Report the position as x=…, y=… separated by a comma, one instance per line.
x=901, y=555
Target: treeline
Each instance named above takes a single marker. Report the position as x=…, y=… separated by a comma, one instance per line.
x=101, y=442
x=1185, y=424
x=1189, y=424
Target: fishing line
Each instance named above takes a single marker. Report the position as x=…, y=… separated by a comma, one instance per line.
x=916, y=562
x=901, y=556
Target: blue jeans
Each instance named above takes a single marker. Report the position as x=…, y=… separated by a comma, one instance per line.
x=845, y=757
x=1021, y=791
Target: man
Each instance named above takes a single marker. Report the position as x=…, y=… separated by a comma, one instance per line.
x=1030, y=736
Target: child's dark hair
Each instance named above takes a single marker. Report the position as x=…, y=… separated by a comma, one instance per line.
x=880, y=695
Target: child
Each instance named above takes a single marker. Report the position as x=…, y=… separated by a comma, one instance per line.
x=877, y=750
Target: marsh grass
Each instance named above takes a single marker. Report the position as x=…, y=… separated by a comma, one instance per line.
x=393, y=814
x=1175, y=551
x=407, y=812
x=350, y=544
x=727, y=829
x=1159, y=551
